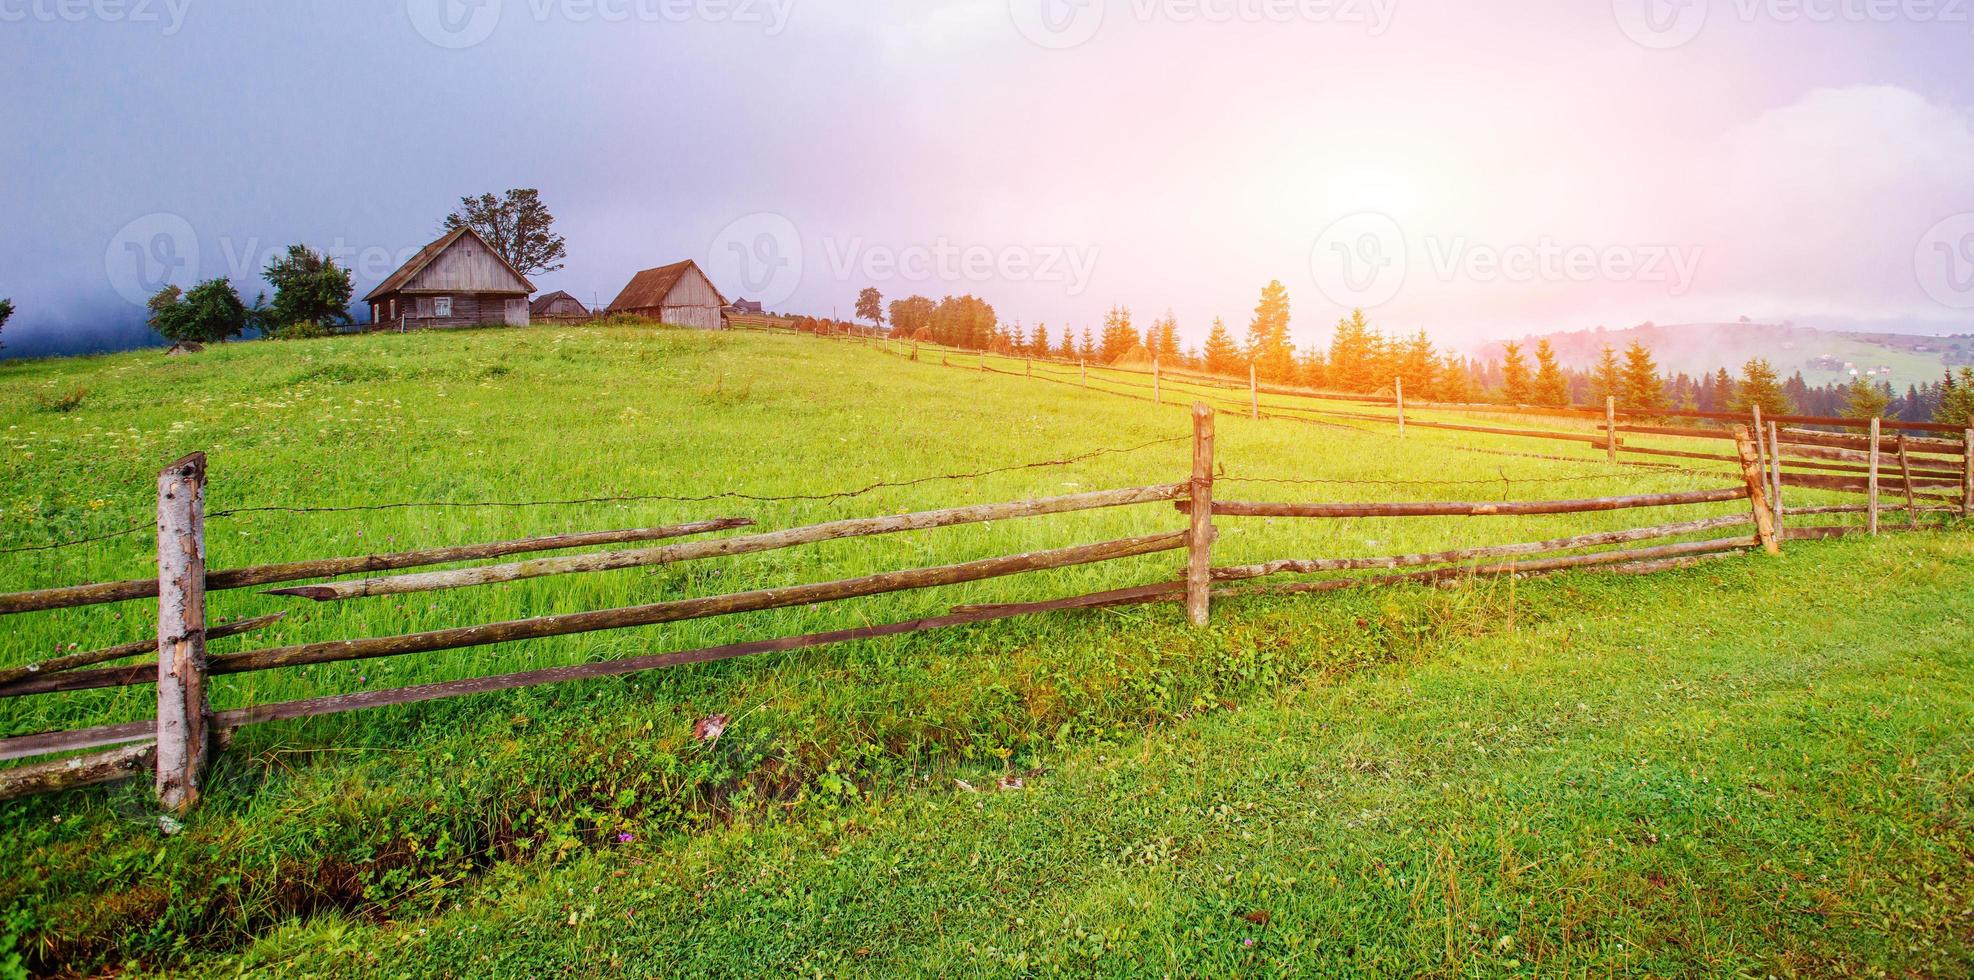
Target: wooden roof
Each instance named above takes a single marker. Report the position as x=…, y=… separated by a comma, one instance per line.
x=649, y=288
x=397, y=281
x=546, y=300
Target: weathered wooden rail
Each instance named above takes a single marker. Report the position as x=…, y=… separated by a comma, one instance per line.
x=176, y=745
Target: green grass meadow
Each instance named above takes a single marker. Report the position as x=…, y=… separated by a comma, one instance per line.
x=1754, y=766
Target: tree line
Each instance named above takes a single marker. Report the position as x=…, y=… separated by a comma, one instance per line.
x=1362, y=359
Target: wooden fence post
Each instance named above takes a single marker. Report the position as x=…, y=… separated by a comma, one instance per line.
x=1254, y=392
x=1967, y=478
x=1083, y=370
x=1872, y=480
x=1199, y=545
x=1751, y=470
x=1905, y=471
x=1775, y=471
x=1158, y=397
x=183, y=738
x=1611, y=427
x=1398, y=384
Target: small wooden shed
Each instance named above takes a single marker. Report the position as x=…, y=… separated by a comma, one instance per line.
x=457, y=281
x=678, y=294
x=557, y=307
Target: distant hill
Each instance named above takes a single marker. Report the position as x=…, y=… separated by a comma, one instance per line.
x=1823, y=356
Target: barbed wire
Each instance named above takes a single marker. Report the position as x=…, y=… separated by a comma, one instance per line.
x=219, y=515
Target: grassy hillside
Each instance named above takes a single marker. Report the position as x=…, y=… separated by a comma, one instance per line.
x=1702, y=348
x=407, y=813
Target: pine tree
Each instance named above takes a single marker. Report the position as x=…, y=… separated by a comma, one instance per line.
x=1865, y=399
x=1164, y=340
x=1418, y=366
x=1551, y=387
x=1222, y=356
x=1038, y=346
x=1956, y=399
x=1607, y=380
x=1758, y=387
x=1067, y=349
x=1119, y=337
x=1088, y=349
x=1456, y=382
x=1311, y=369
x=1268, y=335
x=1641, y=390
x=1514, y=375
x=1355, y=353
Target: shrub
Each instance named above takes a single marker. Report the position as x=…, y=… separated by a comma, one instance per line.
x=208, y=314
x=63, y=402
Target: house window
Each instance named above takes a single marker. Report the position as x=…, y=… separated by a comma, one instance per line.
x=442, y=306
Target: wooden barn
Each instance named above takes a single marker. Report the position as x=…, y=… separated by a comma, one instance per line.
x=678, y=294
x=457, y=281
x=557, y=307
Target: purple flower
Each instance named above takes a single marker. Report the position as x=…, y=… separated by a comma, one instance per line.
x=625, y=837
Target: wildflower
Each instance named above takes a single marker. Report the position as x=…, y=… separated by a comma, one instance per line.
x=625, y=837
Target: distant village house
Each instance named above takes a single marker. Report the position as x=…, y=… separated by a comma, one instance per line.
x=746, y=306
x=678, y=294
x=457, y=281
x=557, y=307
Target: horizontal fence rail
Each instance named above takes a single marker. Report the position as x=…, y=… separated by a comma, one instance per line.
x=1230, y=508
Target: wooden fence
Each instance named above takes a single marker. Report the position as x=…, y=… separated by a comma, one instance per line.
x=177, y=745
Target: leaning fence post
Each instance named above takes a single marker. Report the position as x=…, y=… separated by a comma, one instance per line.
x=1158, y=397
x=1872, y=480
x=183, y=738
x=1199, y=545
x=1254, y=392
x=1611, y=427
x=1398, y=384
x=1751, y=471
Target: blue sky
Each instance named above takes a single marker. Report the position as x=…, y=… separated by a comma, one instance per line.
x=1470, y=171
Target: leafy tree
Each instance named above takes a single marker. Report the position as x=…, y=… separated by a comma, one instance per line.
x=964, y=321
x=1222, y=356
x=1640, y=389
x=870, y=306
x=1607, y=379
x=6, y=313
x=911, y=315
x=208, y=314
x=1268, y=335
x=1865, y=399
x=1514, y=375
x=1119, y=337
x=308, y=289
x=1552, y=387
x=1758, y=387
x=518, y=226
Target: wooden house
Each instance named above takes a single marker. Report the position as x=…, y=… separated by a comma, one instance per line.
x=746, y=306
x=557, y=307
x=457, y=281
x=678, y=294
